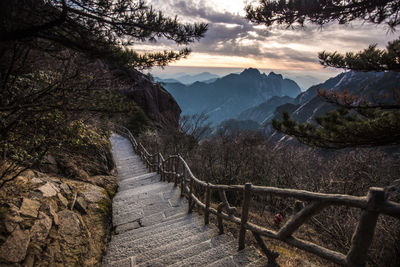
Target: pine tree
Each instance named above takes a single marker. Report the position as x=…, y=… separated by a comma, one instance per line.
x=97, y=28
x=357, y=122
x=63, y=61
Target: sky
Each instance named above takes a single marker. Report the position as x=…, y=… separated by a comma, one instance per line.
x=232, y=43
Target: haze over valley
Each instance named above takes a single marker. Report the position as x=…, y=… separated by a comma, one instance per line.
x=250, y=100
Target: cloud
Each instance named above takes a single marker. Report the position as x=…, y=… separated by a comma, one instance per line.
x=231, y=35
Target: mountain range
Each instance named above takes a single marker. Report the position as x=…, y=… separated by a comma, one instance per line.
x=265, y=111
x=375, y=87
x=227, y=97
x=187, y=79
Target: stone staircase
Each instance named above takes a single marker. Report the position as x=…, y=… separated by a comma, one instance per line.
x=153, y=228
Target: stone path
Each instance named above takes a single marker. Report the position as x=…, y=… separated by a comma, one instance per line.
x=152, y=227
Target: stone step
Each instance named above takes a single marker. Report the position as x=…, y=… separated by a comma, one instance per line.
x=149, y=214
x=176, y=222
x=138, y=178
x=135, y=203
x=209, y=256
x=147, y=189
x=181, y=254
x=135, y=183
x=162, y=216
x=150, y=205
x=149, y=217
x=240, y=258
x=132, y=238
x=128, y=249
x=145, y=222
x=172, y=247
x=130, y=167
x=131, y=164
x=128, y=158
x=126, y=174
x=130, y=161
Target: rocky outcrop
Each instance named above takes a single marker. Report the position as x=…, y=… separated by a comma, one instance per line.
x=155, y=101
x=40, y=225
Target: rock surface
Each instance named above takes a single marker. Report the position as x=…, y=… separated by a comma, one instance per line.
x=30, y=207
x=81, y=205
x=39, y=229
x=15, y=247
x=48, y=190
x=156, y=102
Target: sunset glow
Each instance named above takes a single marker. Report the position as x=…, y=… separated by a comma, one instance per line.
x=233, y=42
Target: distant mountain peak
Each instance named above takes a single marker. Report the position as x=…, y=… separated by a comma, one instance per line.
x=251, y=72
x=273, y=74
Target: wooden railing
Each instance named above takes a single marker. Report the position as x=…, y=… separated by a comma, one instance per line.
x=175, y=169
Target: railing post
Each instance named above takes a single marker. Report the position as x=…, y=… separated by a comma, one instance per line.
x=158, y=163
x=271, y=255
x=176, y=169
x=219, y=218
x=170, y=169
x=183, y=181
x=207, y=202
x=190, y=195
x=152, y=163
x=163, y=170
x=245, y=214
x=364, y=232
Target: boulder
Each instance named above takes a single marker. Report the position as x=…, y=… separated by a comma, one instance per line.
x=63, y=200
x=65, y=188
x=36, y=181
x=15, y=247
x=40, y=230
x=13, y=209
x=53, y=212
x=21, y=180
x=29, y=173
x=49, y=190
x=107, y=182
x=93, y=193
x=11, y=222
x=70, y=226
x=30, y=207
x=29, y=260
x=81, y=205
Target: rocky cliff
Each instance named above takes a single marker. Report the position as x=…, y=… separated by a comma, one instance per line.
x=155, y=101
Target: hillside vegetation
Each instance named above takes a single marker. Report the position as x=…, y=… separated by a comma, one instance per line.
x=245, y=157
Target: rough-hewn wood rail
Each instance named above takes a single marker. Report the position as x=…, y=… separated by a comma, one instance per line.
x=372, y=206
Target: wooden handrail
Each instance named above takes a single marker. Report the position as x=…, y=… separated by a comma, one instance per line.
x=372, y=205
